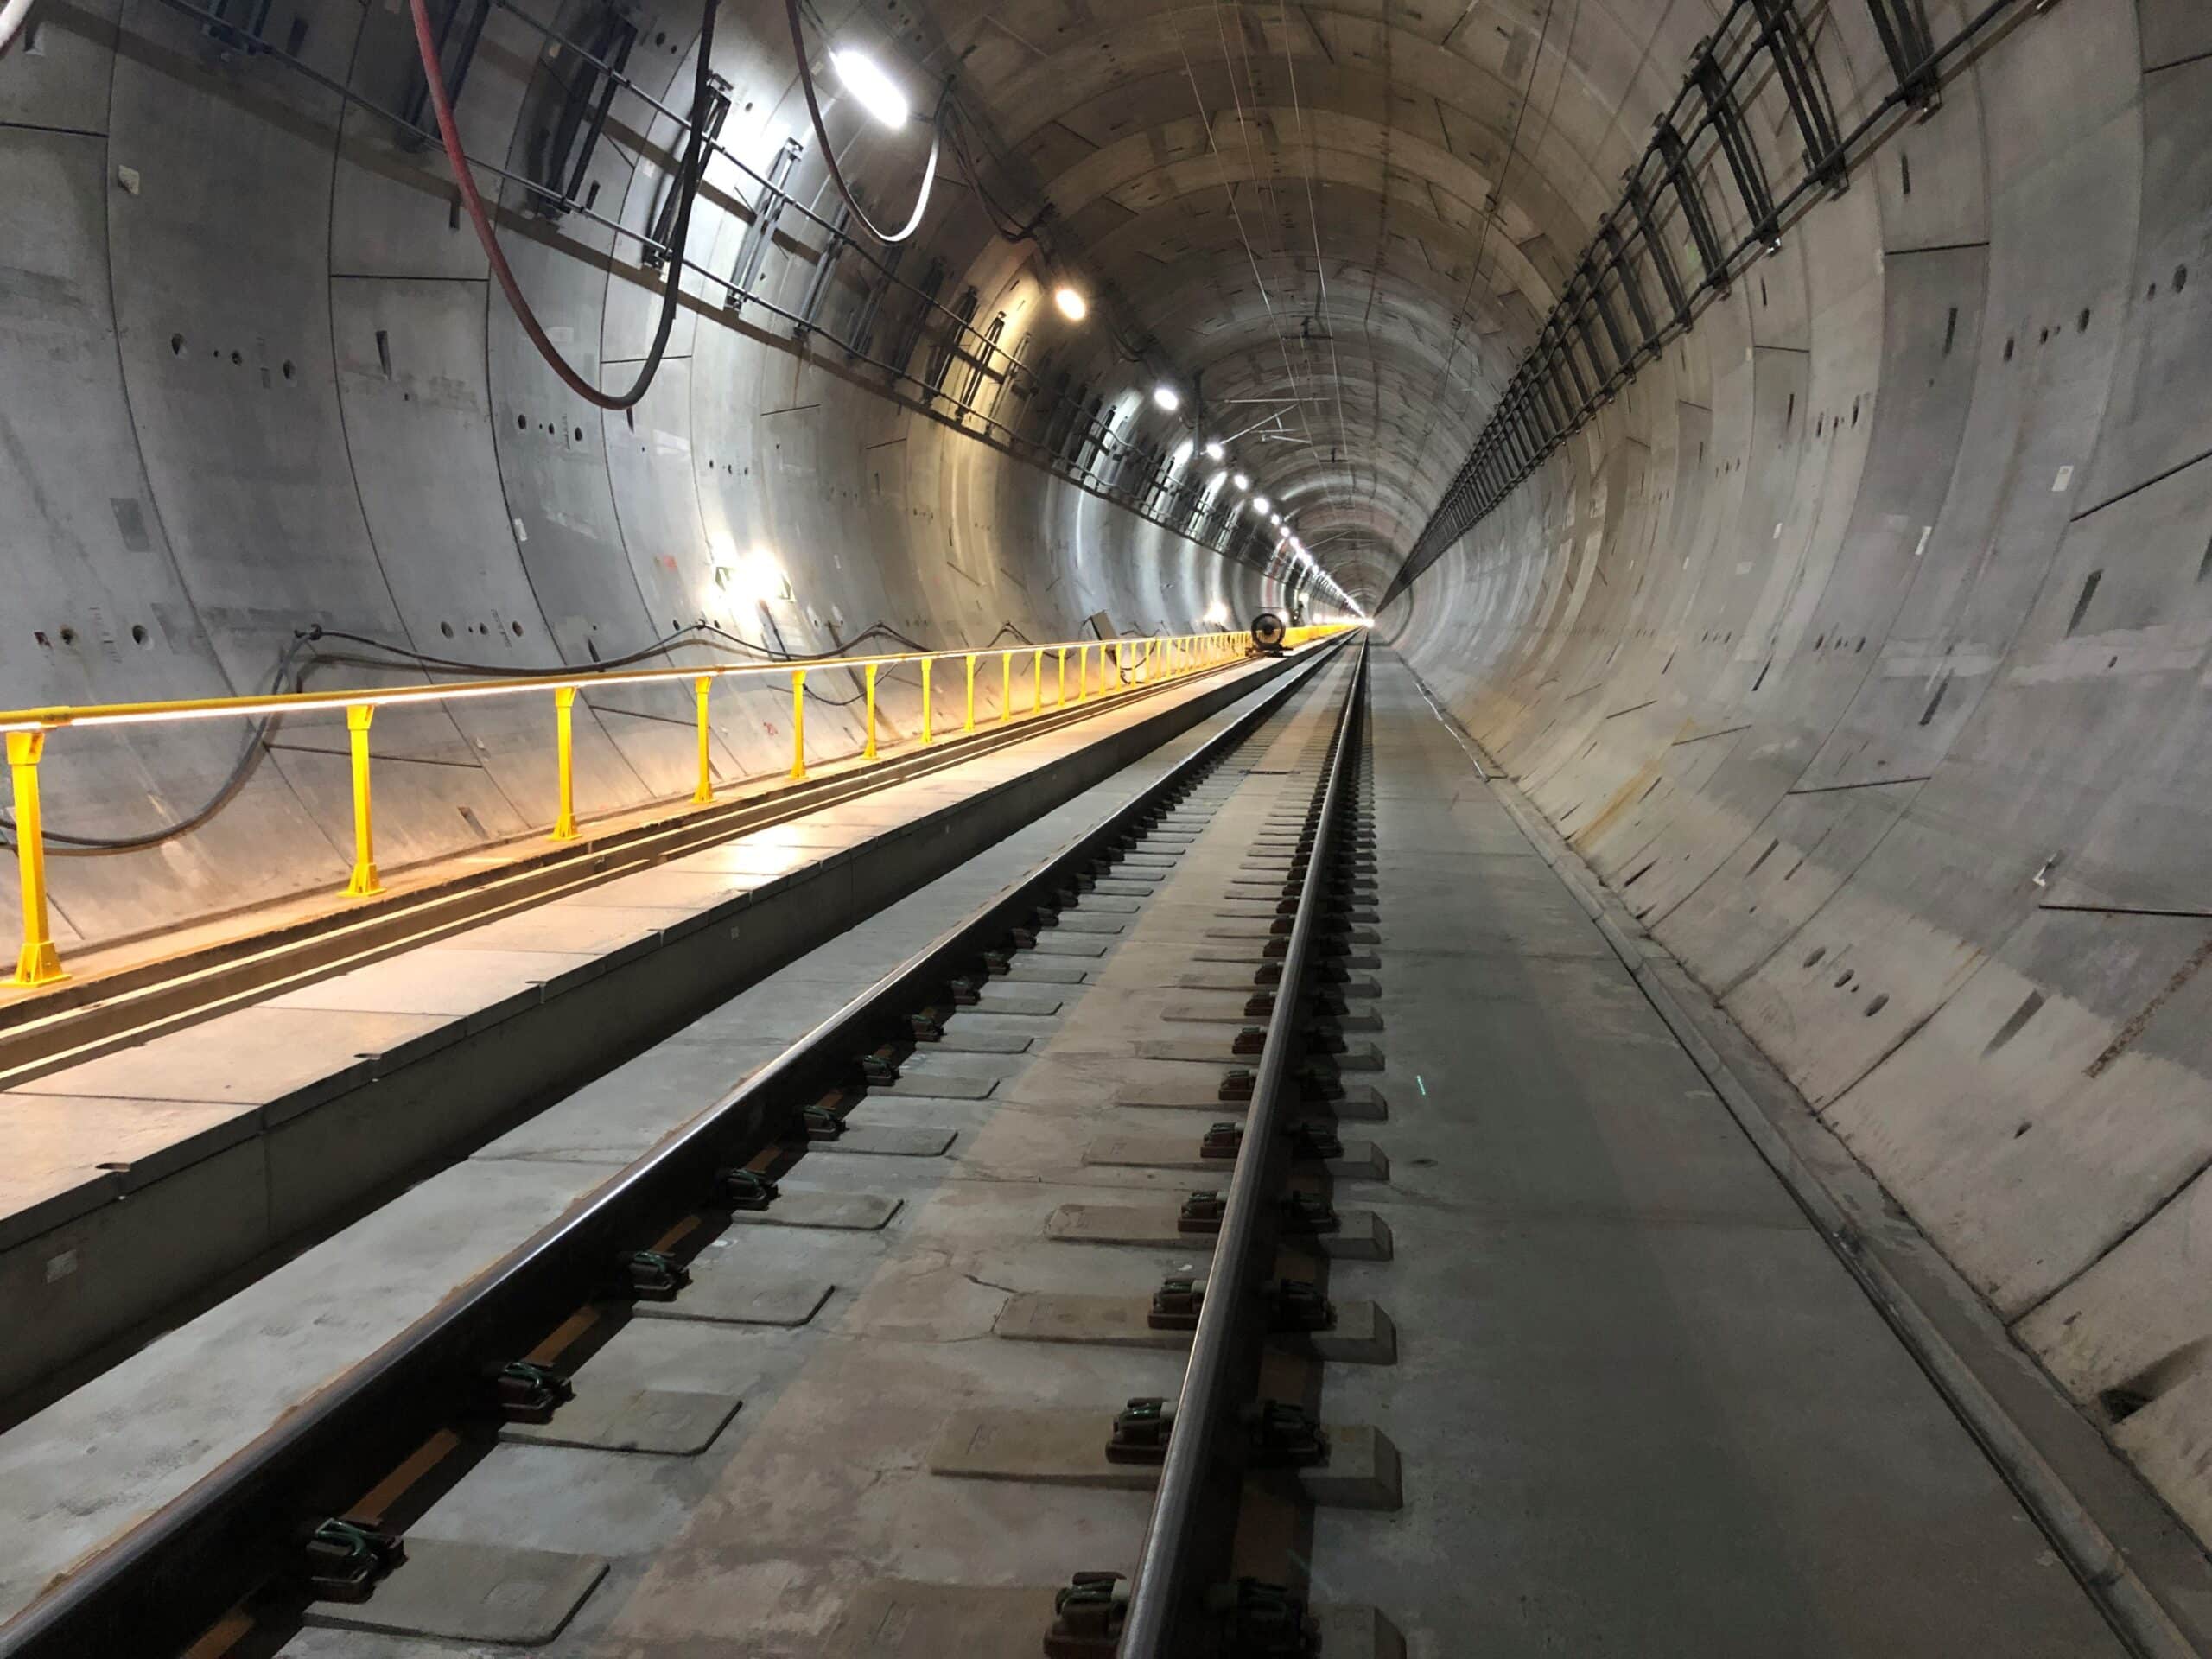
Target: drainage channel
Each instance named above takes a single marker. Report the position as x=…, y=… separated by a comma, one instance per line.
x=337, y=1524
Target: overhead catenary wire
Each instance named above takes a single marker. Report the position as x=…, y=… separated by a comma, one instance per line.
x=464, y=177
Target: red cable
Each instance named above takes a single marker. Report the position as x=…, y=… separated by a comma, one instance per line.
x=465, y=176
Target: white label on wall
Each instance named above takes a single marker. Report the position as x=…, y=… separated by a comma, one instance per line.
x=1925, y=531
x=2065, y=477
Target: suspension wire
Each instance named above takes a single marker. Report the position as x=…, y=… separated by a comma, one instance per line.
x=694, y=171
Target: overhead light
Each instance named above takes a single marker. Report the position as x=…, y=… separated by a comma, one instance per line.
x=1218, y=615
x=1072, y=305
x=754, y=578
x=1241, y=482
x=1167, y=397
x=879, y=94
x=1214, y=451
x=1260, y=505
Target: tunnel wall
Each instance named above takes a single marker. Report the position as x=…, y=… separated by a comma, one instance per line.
x=1861, y=646
x=256, y=381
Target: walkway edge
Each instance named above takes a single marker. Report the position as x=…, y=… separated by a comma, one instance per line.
x=1872, y=1240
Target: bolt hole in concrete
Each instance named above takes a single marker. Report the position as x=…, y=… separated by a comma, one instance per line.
x=176, y=345
x=446, y=628
x=68, y=636
x=138, y=633
x=1878, y=1004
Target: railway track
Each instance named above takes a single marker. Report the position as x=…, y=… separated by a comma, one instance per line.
x=1038, y=1255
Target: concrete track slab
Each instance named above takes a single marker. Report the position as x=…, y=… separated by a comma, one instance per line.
x=1642, y=1408
x=133, y=1437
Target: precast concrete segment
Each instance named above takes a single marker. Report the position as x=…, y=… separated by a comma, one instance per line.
x=132, y=1438
x=816, y=1494
x=276, y=1115
x=1651, y=1411
x=1859, y=649
x=276, y=400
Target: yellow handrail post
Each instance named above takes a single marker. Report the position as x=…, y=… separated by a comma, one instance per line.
x=798, y=724
x=970, y=726
x=868, y=753
x=364, y=880
x=1005, y=686
x=929, y=713
x=1082, y=673
x=1037, y=682
x=703, y=791
x=39, y=963
x=1060, y=699
x=564, y=703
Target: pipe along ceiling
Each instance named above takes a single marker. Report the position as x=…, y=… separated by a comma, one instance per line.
x=1775, y=430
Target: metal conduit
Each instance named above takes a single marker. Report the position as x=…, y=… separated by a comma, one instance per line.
x=1225, y=1316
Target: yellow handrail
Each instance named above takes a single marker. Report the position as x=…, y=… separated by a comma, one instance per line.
x=25, y=731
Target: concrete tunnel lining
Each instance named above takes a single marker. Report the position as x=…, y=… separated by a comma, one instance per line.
x=1858, y=644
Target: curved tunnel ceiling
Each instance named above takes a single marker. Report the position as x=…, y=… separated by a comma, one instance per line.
x=1362, y=212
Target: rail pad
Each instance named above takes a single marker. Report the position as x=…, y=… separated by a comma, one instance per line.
x=471, y=1592
x=863, y=1212
x=1362, y=1334
x=733, y=1295
x=900, y=1619
x=1067, y=1448
x=1363, y=1160
x=1361, y=1235
x=659, y=1421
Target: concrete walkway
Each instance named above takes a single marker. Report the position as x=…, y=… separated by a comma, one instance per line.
x=1650, y=1412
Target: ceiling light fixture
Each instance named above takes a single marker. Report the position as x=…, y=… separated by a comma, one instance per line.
x=877, y=94
x=1167, y=397
x=1214, y=451
x=1260, y=505
x=1071, y=303
x=1241, y=482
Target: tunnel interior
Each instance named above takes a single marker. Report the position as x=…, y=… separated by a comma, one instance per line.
x=1847, y=611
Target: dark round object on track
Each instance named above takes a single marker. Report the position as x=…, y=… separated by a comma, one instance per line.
x=1267, y=630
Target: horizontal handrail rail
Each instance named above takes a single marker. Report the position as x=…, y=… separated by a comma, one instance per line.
x=1136, y=659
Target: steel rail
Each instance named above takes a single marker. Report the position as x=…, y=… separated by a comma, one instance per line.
x=1226, y=1316
x=164, y=1582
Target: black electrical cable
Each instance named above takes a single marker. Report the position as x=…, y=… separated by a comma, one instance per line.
x=693, y=172
x=60, y=843
x=286, y=676
x=830, y=150
x=1002, y=221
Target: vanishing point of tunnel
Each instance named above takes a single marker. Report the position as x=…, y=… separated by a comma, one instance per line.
x=1232, y=829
